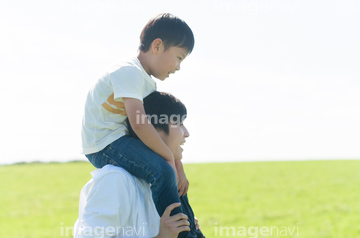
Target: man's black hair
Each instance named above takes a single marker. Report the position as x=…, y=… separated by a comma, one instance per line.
x=160, y=107
x=171, y=30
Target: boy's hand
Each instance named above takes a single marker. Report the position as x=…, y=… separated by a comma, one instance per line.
x=197, y=224
x=183, y=182
x=172, y=164
x=171, y=226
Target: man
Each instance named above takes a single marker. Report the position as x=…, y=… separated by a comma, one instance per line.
x=116, y=204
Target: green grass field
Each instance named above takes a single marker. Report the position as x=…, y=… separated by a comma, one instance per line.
x=261, y=199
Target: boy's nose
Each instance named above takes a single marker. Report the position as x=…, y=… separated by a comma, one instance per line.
x=178, y=67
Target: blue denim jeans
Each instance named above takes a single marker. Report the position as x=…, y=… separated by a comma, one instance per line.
x=139, y=160
x=193, y=233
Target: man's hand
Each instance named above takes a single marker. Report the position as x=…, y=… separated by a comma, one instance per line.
x=183, y=182
x=171, y=226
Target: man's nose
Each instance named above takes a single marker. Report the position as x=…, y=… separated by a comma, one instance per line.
x=186, y=132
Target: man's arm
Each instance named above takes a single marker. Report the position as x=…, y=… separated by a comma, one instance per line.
x=145, y=130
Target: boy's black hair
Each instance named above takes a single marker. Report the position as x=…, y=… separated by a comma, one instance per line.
x=171, y=30
x=160, y=107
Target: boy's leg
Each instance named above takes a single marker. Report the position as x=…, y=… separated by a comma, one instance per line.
x=189, y=212
x=97, y=159
x=139, y=160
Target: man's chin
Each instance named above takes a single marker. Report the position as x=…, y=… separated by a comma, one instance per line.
x=178, y=157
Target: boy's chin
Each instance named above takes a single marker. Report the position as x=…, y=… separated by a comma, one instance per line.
x=161, y=78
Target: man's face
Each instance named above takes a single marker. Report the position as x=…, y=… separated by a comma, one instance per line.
x=167, y=62
x=175, y=139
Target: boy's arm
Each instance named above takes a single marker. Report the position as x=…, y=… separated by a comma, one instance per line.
x=145, y=130
x=183, y=182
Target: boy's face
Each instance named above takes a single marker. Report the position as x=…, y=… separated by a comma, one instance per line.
x=175, y=139
x=167, y=62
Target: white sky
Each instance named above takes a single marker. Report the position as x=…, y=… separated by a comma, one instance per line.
x=267, y=80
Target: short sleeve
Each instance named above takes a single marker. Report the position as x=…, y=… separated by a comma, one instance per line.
x=127, y=82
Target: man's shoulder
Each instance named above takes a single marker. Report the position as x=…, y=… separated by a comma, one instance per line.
x=110, y=177
x=111, y=171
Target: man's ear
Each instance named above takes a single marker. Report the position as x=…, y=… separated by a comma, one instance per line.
x=156, y=46
x=161, y=133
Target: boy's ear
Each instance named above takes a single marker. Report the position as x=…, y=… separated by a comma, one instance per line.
x=156, y=46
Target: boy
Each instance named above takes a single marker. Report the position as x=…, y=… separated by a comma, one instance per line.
x=164, y=43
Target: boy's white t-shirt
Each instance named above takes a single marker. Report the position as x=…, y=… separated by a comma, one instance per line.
x=104, y=119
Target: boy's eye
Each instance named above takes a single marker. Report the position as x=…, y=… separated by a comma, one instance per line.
x=180, y=58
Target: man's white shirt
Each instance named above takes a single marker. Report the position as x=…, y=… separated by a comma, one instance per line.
x=116, y=204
